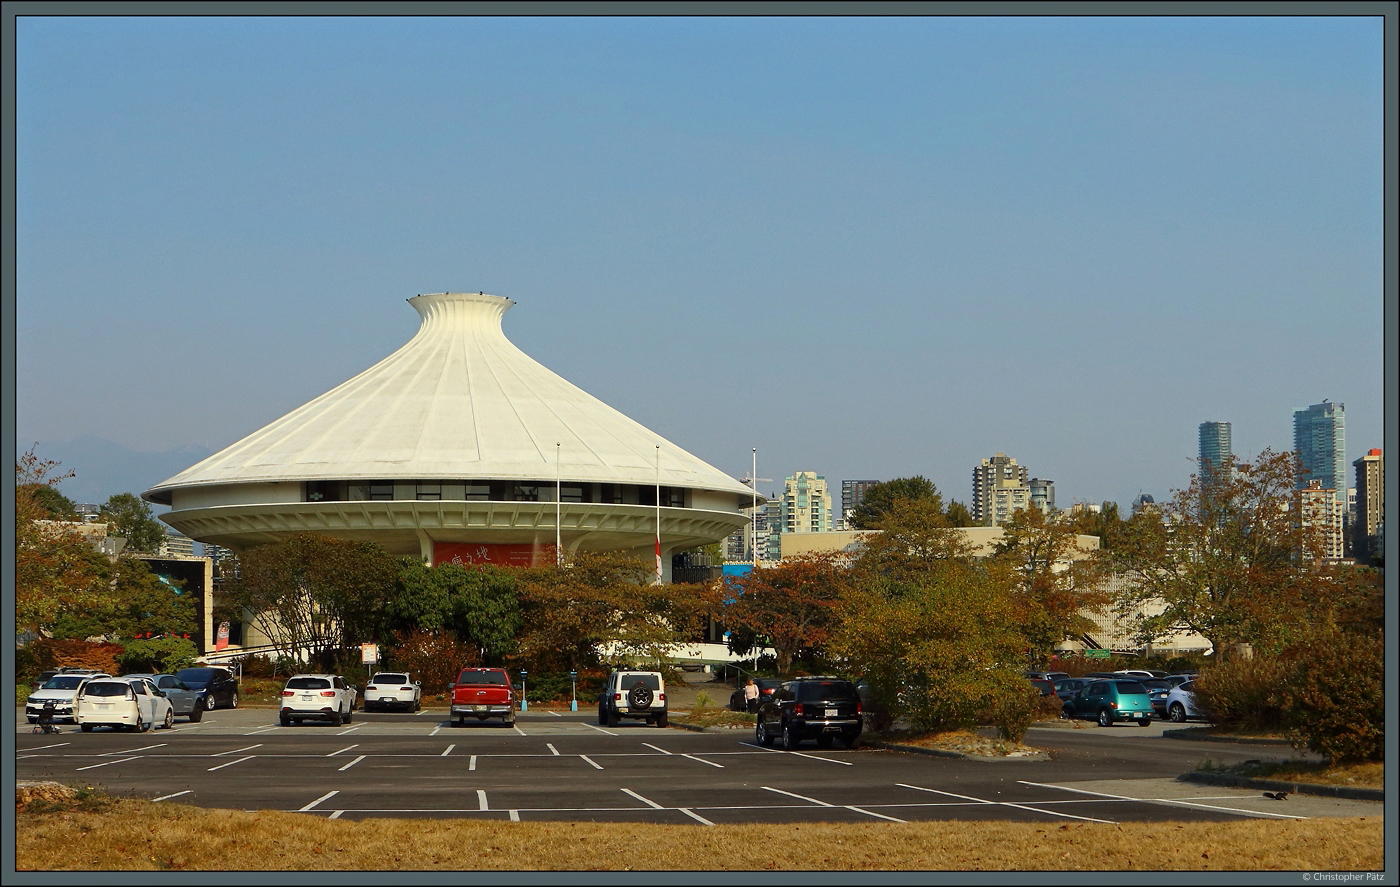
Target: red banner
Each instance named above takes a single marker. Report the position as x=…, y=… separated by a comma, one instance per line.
x=470, y=553
x=222, y=640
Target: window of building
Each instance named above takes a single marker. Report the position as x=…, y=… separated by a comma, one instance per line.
x=526, y=493
x=429, y=491
x=381, y=489
x=570, y=493
x=477, y=491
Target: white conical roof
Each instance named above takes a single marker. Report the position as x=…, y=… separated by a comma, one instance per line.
x=457, y=401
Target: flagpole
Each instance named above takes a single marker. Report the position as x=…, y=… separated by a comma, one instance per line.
x=658, y=514
x=558, y=549
x=753, y=518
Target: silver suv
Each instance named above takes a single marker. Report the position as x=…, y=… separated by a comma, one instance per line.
x=633, y=694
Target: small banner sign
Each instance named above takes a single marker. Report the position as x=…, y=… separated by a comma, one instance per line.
x=1098, y=654
x=369, y=653
x=222, y=639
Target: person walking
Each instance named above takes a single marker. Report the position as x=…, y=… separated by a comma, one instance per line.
x=751, y=697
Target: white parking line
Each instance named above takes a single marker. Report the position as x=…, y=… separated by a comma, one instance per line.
x=236, y=750
x=599, y=729
x=872, y=813
x=447, y=751
x=42, y=747
x=555, y=713
x=327, y=796
x=662, y=750
x=472, y=764
x=591, y=761
x=132, y=751
x=262, y=730
x=703, y=761
x=550, y=746
x=1004, y=803
x=231, y=763
x=336, y=814
x=799, y=797
x=654, y=805
x=435, y=730
x=120, y=761
x=515, y=816
x=353, y=763
x=1170, y=801
x=520, y=731
x=347, y=748
x=781, y=751
x=481, y=800
x=351, y=730
x=695, y=816
x=176, y=795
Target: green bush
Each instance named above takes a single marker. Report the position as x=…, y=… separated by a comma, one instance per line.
x=1239, y=694
x=156, y=655
x=1009, y=704
x=1334, y=697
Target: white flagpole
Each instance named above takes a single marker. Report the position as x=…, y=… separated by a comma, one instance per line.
x=558, y=550
x=753, y=531
x=658, y=514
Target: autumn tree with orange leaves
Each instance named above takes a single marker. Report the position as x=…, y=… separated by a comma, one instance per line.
x=792, y=604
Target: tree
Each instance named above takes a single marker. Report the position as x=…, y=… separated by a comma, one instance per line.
x=940, y=648
x=57, y=571
x=601, y=604
x=139, y=603
x=914, y=537
x=1053, y=581
x=959, y=516
x=479, y=605
x=792, y=603
x=1228, y=557
x=878, y=498
x=1106, y=523
x=129, y=517
x=314, y=595
x=55, y=505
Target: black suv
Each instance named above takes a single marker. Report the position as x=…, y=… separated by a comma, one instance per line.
x=216, y=686
x=820, y=708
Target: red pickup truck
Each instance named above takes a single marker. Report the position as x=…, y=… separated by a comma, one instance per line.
x=483, y=693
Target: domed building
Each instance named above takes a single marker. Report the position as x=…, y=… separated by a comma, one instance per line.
x=458, y=447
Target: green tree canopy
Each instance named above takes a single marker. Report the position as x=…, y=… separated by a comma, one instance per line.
x=314, y=593
x=55, y=505
x=479, y=605
x=130, y=517
x=878, y=498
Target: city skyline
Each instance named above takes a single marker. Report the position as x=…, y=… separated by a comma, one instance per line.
x=1007, y=229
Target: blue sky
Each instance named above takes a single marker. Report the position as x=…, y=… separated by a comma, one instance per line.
x=869, y=247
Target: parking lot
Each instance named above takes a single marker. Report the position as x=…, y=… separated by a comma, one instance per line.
x=563, y=766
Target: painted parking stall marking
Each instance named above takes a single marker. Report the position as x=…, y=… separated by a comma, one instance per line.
x=231, y=763
x=105, y=763
x=1173, y=802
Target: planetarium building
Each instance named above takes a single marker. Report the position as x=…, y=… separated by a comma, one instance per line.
x=458, y=447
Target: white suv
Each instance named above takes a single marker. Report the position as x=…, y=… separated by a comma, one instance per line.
x=394, y=689
x=317, y=697
x=633, y=694
x=58, y=690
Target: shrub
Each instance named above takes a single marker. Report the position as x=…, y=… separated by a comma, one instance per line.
x=1010, y=705
x=434, y=657
x=1238, y=694
x=51, y=653
x=1334, y=697
x=1182, y=665
x=255, y=665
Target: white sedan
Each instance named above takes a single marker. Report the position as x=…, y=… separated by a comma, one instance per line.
x=122, y=704
x=393, y=689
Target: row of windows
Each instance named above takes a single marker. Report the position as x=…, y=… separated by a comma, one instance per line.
x=490, y=491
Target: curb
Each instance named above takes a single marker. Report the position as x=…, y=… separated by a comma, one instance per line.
x=1187, y=734
x=1278, y=785
x=940, y=753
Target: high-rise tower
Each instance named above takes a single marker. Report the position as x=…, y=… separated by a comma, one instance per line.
x=1319, y=436
x=1215, y=447
x=999, y=488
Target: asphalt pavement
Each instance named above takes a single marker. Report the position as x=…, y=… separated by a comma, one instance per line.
x=562, y=765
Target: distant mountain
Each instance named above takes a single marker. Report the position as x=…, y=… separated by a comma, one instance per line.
x=101, y=469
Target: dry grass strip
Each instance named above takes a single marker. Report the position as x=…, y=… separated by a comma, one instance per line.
x=124, y=834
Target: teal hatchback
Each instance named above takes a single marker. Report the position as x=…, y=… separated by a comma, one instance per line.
x=1110, y=701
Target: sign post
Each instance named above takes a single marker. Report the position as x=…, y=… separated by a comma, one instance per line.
x=573, y=693
x=523, y=703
